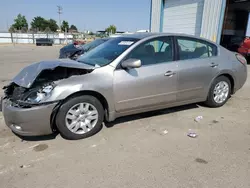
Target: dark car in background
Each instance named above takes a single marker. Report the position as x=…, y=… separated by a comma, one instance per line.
x=72, y=51
x=44, y=42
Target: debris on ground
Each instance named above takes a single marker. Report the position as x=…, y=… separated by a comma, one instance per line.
x=25, y=166
x=215, y=121
x=202, y=161
x=198, y=118
x=165, y=132
x=192, y=134
x=40, y=147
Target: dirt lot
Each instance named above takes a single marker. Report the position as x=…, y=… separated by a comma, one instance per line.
x=147, y=150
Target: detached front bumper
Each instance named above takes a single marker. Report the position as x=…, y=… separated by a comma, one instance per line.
x=33, y=121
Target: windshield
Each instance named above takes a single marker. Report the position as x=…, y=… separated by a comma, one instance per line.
x=93, y=44
x=107, y=51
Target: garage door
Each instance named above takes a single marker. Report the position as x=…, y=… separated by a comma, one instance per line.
x=183, y=16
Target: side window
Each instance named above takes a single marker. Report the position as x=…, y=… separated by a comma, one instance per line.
x=155, y=51
x=193, y=48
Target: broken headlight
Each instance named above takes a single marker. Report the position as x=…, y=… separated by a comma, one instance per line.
x=37, y=96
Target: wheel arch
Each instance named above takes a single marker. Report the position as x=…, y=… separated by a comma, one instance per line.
x=229, y=76
x=232, y=81
x=95, y=94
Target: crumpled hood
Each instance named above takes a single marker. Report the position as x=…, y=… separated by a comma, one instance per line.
x=28, y=75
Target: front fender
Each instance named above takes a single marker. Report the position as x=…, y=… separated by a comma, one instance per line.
x=63, y=91
x=100, y=82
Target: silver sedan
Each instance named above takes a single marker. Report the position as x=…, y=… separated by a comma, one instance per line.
x=126, y=75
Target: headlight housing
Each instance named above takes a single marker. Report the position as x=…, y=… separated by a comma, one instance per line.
x=40, y=95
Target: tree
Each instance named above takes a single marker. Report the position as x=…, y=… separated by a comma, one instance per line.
x=12, y=29
x=52, y=25
x=47, y=30
x=65, y=26
x=39, y=23
x=20, y=23
x=73, y=27
x=111, y=29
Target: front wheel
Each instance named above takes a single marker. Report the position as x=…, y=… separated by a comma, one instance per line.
x=80, y=117
x=219, y=92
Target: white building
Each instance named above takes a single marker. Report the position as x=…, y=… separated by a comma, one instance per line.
x=218, y=20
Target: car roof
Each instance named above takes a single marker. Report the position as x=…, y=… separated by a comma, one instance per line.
x=142, y=35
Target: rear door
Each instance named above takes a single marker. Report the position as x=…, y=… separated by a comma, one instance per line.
x=197, y=66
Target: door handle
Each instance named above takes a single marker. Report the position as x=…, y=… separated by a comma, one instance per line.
x=214, y=65
x=169, y=73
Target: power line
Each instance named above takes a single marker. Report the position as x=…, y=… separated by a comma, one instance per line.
x=59, y=13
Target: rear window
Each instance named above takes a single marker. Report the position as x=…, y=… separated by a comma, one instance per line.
x=192, y=48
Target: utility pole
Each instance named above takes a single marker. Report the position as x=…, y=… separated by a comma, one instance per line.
x=7, y=23
x=59, y=13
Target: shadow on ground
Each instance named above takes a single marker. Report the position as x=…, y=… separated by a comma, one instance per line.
x=150, y=114
x=38, y=138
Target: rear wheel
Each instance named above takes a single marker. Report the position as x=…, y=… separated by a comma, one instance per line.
x=80, y=117
x=219, y=92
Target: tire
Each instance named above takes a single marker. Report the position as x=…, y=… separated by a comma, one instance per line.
x=210, y=102
x=61, y=120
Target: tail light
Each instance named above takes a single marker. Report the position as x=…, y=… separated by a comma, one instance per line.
x=241, y=59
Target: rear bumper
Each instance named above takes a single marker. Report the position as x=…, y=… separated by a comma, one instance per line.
x=33, y=121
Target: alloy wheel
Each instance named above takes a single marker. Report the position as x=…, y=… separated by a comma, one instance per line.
x=81, y=118
x=221, y=92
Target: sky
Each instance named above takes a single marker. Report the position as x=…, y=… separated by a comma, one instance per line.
x=93, y=15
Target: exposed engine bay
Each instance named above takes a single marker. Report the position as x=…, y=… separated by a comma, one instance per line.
x=41, y=88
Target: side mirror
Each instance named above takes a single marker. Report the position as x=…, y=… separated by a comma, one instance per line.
x=131, y=63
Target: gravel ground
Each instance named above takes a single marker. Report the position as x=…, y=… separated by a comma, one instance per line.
x=146, y=150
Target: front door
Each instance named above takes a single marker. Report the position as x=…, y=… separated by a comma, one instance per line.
x=197, y=66
x=154, y=83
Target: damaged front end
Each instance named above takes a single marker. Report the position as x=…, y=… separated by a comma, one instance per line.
x=26, y=98
x=28, y=106
x=35, y=83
